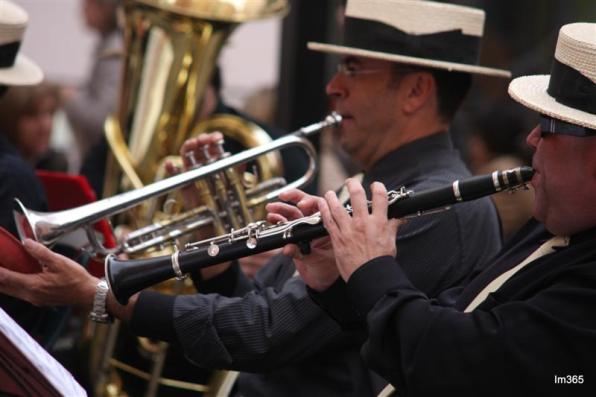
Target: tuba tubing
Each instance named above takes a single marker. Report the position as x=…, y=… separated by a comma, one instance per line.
x=127, y=277
x=48, y=227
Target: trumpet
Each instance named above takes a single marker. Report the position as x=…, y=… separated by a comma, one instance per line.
x=127, y=277
x=49, y=227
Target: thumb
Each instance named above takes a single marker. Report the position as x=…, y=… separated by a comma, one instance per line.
x=302, y=269
x=290, y=250
x=40, y=252
x=171, y=168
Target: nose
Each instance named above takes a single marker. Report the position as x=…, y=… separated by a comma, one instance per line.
x=336, y=87
x=534, y=137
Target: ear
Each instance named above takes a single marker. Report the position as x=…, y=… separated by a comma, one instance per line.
x=421, y=89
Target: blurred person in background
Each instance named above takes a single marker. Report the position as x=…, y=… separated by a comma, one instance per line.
x=17, y=178
x=88, y=106
x=497, y=142
x=262, y=105
x=26, y=116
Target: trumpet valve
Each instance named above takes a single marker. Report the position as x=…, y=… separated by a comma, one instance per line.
x=221, y=152
x=192, y=159
x=208, y=157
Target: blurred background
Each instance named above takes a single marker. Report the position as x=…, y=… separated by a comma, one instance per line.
x=59, y=40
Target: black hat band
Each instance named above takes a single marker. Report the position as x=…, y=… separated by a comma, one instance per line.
x=449, y=46
x=8, y=54
x=571, y=88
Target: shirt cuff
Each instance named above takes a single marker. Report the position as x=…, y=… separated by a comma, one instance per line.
x=371, y=281
x=334, y=300
x=152, y=316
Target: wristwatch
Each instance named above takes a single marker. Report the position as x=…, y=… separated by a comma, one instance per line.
x=99, y=313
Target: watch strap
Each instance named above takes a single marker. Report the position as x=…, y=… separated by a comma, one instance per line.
x=99, y=314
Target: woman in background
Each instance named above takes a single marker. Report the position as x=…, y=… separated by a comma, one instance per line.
x=26, y=116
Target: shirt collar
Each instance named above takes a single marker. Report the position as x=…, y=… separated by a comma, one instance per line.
x=584, y=236
x=412, y=160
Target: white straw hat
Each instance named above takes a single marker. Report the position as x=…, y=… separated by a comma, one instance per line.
x=15, y=69
x=424, y=33
x=569, y=92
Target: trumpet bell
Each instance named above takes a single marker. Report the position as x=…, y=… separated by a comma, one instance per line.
x=38, y=226
x=21, y=217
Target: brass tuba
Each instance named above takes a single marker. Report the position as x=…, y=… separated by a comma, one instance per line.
x=171, y=48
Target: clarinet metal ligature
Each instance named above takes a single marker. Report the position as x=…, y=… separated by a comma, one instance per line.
x=126, y=277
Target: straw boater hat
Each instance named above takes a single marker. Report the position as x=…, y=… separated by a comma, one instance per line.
x=15, y=69
x=569, y=92
x=424, y=33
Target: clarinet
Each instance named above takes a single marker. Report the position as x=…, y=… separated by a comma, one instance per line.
x=127, y=277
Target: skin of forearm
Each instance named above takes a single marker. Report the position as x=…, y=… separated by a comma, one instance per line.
x=122, y=312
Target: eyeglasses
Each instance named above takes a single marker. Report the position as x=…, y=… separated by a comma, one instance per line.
x=549, y=125
x=351, y=71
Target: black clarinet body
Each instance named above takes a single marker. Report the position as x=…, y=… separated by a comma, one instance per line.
x=127, y=277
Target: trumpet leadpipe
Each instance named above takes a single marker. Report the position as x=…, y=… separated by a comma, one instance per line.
x=127, y=277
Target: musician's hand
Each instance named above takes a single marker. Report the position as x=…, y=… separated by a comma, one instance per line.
x=361, y=237
x=304, y=205
x=192, y=153
x=317, y=268
x=252, y=264
x=62, y=282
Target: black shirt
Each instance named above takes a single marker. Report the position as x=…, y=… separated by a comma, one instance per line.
x=539, y=325
x=18, y=180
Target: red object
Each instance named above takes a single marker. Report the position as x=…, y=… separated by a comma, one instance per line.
x=66, y=191
x=18, y=376
x=14, y=256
